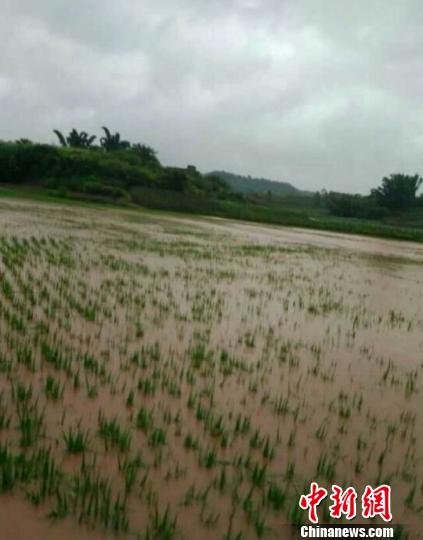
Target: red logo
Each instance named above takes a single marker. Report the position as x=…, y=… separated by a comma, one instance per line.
x=311, y=501
x=374, y=502
x=377, y=502
x=344, y=502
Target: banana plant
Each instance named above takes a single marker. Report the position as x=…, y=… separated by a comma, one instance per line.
x=113, y=142
x=75, y=139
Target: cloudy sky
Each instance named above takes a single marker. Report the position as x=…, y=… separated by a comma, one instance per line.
x=321, y=93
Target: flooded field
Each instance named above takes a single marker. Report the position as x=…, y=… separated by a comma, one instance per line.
x=163, y=377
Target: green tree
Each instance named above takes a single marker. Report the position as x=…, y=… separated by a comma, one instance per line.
x=349, y=205
x=317, y=199
x=175, y=179
x=147, y=154
x=398, y=191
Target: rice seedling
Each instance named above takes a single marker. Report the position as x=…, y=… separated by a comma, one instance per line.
x=91, y=388
x=157, y=437
x=144, y=419
x=209, y=459
x=163, y=525
x=53, y=389
x=5, y=417
x=31, y=423
x=258, y=474
x=76, y=440
x=113, y=433
x=275, y=496
x=128, y=467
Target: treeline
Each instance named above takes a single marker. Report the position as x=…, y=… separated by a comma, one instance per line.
x=397, y=193
x=110, y=167
x=114, y=169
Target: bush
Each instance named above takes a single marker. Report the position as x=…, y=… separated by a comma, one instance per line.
x=49, y=166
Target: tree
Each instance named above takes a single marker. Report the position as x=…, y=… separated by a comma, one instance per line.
x=146, y=153
x=357, y=206
x=75, y=139
x=317, y=200
x=175, y=179
x=113, y=142
x=398, y=191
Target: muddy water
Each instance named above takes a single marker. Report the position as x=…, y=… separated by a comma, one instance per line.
x=249, y=348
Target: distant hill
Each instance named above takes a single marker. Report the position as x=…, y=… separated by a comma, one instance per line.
x=248, y=184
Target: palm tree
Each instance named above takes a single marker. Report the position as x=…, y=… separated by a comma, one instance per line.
x=113, y=142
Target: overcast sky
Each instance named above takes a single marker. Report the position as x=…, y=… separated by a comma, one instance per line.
x=321, y=93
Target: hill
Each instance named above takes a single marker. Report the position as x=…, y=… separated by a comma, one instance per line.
x=248, y=184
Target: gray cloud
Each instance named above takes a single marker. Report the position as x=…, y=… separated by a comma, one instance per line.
x=323, y=94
